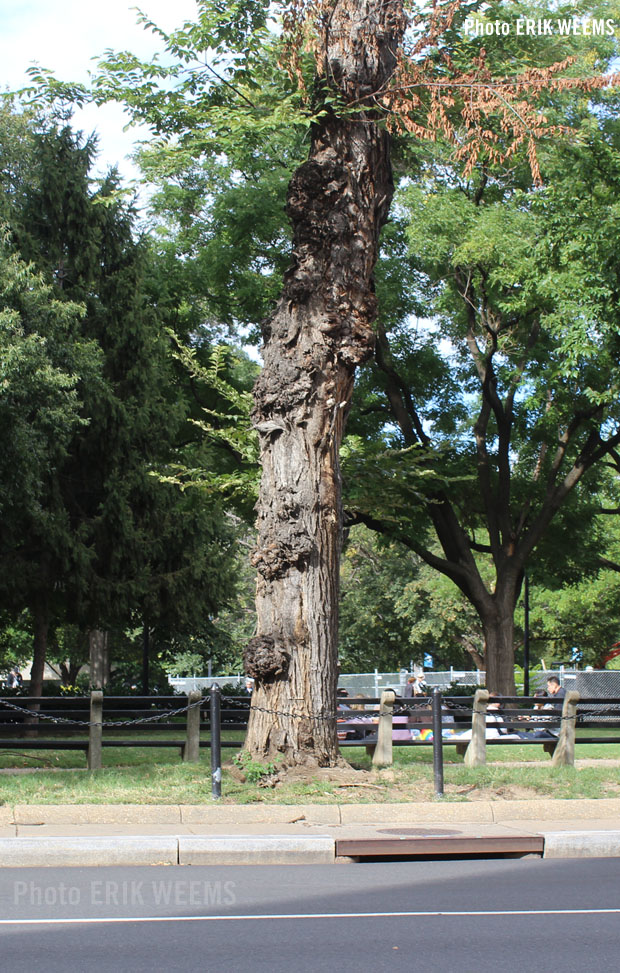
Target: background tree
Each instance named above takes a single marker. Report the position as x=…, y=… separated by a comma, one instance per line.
x=563, y=620
x=337, y=202
x=372, y=633
x=525, y=324
x=43, y=354
x=440, y=622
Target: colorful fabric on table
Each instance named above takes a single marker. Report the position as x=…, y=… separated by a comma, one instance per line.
x=426, y=736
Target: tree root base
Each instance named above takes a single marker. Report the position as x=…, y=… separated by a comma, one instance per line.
x=292, y=761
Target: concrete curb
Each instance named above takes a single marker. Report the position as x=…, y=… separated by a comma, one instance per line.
x=257, y=850
x=251, y=849
x=168, y=850
x=120, y=850
x=87, y=847
x=581, y=844
x=437, y=812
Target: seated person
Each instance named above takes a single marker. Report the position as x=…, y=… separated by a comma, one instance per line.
x=557, y=693
x=342, y=696
x=495, y=718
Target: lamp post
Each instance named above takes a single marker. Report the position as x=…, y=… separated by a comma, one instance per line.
x=526, y=636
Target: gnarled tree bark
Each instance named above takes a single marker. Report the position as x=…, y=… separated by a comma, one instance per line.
x=320, y=332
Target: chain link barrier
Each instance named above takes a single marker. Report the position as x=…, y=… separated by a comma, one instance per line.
x=35, y=714
x=401, y=710
x=327, y=718
x=406, y=709
x=595, y=713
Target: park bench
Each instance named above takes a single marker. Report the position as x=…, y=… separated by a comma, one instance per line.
x=398, y=715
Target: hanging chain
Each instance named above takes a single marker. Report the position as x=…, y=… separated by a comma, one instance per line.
x=300, y=716
x=342, y=715
x=65, y=720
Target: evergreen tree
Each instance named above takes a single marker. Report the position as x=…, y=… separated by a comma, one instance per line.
x=120, y=549
x=44, y=358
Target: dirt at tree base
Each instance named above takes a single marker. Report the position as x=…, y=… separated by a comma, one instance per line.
x=501, y=793
x=387, y=785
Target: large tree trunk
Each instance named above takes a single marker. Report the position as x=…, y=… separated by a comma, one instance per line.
x=498, y=625
x=321, y=331
x=41, y=624
x=475, y=655
x=69, y=672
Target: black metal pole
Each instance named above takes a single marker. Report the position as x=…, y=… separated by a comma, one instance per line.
x=526, y=636
x=216, y=748
x=437, y=747
x=146, y=651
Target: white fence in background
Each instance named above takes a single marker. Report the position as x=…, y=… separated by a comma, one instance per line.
x=588, y=682
x=372, y=683
x=187, y=684
x=357, y=683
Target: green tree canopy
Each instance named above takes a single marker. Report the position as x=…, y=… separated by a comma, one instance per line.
x=490, y=418
x=111, y=539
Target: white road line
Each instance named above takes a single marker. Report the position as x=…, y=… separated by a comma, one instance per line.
x=308, y=915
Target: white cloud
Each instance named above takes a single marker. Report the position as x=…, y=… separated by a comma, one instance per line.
x=65, y=35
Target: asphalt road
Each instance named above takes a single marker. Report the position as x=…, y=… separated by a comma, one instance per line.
x=431, y=917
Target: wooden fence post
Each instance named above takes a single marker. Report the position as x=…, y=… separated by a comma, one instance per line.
x=191, y=751
x=382, y=756
x=476, y=753
x=564, y=755
x=95, y=730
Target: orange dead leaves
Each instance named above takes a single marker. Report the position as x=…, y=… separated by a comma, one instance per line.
x=482, y=116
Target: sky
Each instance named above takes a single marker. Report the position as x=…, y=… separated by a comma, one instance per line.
x=65, y=35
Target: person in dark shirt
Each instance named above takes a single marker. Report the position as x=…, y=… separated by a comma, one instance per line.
x=556, y=694
x=556, y=691
x=415, y=687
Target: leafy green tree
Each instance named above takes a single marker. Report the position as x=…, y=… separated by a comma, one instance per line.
x=40, y=362
x=321, y=328
x=440, y=621
x=582, y=613
x=582, y=616
x=373, y=633
x=15, y=640
x=125, y=541
x=521, y=286
x=43, y=356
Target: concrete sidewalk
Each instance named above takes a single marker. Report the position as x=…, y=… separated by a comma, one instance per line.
x=112, y=834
